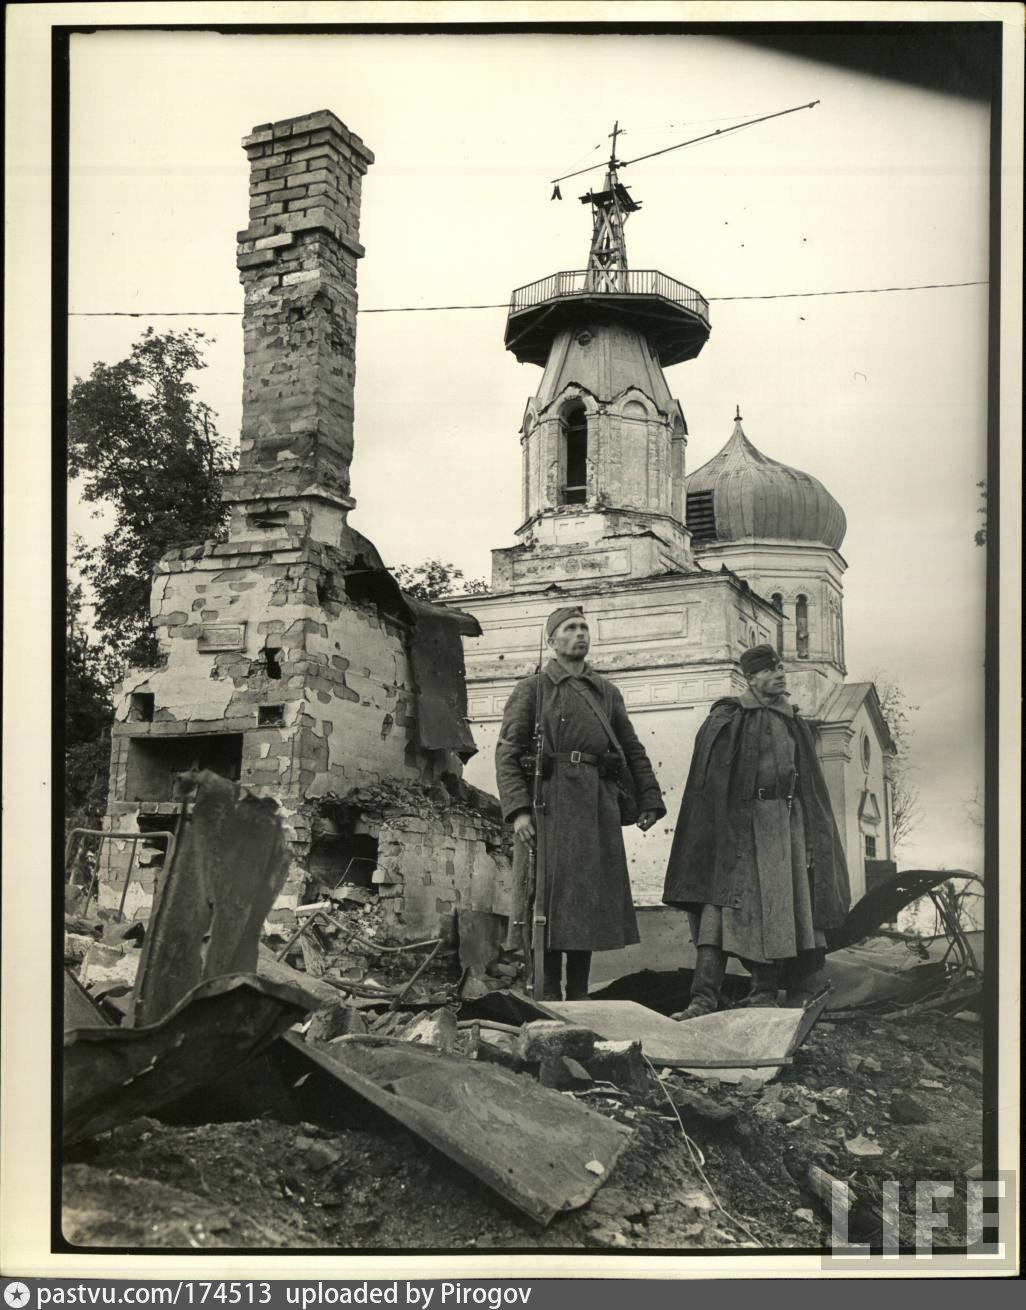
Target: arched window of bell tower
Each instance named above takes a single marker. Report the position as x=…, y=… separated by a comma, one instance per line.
x=574, y=455
x=777, y=601
x=801, y=627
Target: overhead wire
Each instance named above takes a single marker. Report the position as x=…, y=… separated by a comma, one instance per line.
x=505, y=304
x=720, y=131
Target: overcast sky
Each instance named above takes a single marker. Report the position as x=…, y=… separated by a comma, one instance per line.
x=882, y=397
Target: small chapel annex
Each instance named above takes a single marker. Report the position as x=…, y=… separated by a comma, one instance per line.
x=677, y=574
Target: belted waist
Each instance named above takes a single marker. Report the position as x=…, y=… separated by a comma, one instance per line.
x=776, y=793
x=576, y=757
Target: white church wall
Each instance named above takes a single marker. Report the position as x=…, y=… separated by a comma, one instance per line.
x=867, y=770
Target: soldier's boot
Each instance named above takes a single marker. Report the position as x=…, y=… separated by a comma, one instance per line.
x=765, y=985
x=578, y=966
x=807, y=979
x=710, y=968
x=552, y=966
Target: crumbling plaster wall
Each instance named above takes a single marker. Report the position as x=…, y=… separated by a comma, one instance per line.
x=348, y=723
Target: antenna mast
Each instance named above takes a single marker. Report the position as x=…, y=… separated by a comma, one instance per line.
x=607, y=261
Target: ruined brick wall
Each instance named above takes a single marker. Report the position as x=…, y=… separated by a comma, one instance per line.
x=265, y=660
x=284, y=661
x=297, y=264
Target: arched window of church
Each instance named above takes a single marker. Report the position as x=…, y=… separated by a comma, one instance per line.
x=575, y=456
x=801, y=627
x=777, y=601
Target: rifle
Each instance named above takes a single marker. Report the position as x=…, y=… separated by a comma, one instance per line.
x=536, y=858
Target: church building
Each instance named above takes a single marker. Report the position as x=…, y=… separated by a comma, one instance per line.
x=677, y=574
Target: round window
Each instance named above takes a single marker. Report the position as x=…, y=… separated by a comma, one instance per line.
x=867, y=751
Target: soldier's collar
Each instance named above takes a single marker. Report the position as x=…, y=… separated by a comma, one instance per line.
x=558, y=674
x=749, y=701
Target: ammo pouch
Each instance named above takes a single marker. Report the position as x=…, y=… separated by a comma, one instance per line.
x=527, y=764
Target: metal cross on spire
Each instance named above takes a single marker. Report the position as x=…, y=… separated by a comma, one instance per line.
x=607, y=260
x=617, y=131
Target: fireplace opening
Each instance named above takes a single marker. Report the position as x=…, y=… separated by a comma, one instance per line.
x=155, y=762
x=342, y=850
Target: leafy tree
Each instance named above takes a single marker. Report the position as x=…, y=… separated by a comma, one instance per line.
x=906, y=812
x=434, y=578
x=87, y=718
x=146, y=446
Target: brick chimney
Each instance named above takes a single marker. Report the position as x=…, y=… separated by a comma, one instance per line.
x=297, y=264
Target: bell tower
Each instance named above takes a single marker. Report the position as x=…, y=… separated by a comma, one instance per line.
x=603, y=439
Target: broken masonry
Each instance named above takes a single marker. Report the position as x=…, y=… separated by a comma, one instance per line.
x=290, y=660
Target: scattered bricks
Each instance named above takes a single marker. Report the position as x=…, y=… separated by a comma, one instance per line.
x=104, y=967
x=548, y=1038
x=322, y=1155
x=563, y=1074
x=438, y=1028
x=906, y=1109
x=606, y=1237
x=118, y=934
x=620, y=1205
x=76, y=945
x=715, y=1113
x=335, y=1021
x=622, y=1064
x=495, y=1047
x=472, y=991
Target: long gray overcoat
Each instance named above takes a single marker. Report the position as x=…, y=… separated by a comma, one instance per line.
x=588, y=901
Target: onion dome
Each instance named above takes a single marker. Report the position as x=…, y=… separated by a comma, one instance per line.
x=743, y=495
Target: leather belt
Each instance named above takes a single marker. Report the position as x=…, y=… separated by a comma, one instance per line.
x=576, y=757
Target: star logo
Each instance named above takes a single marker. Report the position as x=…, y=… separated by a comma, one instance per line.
x=17, y=1295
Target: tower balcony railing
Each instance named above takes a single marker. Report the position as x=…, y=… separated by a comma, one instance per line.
x=615, y=282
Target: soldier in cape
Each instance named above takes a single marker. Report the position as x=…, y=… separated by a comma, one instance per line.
x=756, y=857
x=596, y=777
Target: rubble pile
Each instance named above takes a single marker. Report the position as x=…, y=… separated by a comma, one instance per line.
x=406, y=1109
x=266, y=1182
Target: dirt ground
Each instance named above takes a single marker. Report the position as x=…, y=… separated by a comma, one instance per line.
x=269, y=1184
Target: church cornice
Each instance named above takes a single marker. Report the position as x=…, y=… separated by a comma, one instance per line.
x=591, y=508
x=659, y=582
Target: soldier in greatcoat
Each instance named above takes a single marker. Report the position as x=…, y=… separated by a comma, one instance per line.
x=588, y=902
x=756, y=857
